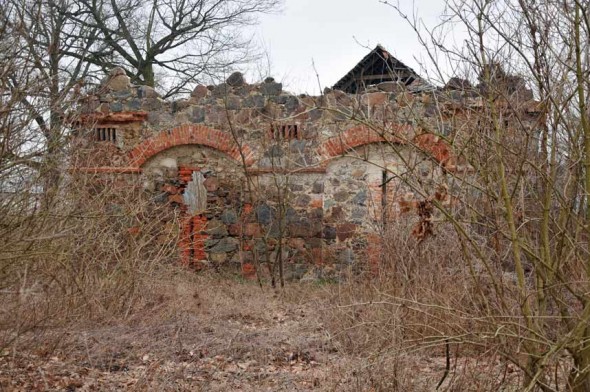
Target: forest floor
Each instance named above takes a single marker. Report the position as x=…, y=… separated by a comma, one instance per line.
x=217, y=334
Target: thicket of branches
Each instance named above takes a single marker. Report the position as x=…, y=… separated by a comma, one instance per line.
x=77, y=246
x=521, y=218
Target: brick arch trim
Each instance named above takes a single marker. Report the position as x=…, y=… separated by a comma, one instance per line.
x=359, y=136
x=187, y=135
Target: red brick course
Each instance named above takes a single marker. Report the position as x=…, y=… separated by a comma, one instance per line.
x=191, y=134
x=192, y=241
x=98, y=118
x=355, y=137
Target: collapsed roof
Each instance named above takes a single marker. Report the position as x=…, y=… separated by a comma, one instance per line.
x=377, y=67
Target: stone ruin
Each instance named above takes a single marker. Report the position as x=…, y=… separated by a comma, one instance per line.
x=254, y=169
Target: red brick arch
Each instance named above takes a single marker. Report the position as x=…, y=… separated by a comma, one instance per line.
x=187, y=135
x=359, y=136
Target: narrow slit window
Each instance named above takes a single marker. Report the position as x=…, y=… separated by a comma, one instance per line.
x=285, y=132
x=106, y=135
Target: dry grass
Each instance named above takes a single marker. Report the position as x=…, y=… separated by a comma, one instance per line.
x=205, y=332
x=118, y=313
x=98, y=302
x=88, y=256
x=424, y=300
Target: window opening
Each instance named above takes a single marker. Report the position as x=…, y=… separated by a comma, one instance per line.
x=105, y=135
x=285, y=132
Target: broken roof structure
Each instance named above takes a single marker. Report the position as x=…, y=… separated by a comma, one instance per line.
x=379, y=66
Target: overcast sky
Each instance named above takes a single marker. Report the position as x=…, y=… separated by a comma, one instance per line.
x=336, y=35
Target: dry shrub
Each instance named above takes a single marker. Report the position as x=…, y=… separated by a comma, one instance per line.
x=425, y=298
x=88, y=255
x=408, y=298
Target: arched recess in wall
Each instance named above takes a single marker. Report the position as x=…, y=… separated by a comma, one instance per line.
x=191, y=135
x=199, y=171
x=362, y=189
x=355, y=137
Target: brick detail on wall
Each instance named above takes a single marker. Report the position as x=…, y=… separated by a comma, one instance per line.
x=346, y=141
x=106, y=169
x=192, y=241
x=98, y=118
x=249, y=270
x=374, y=252
x=438, y=148
x=191, y=134
x=355, y=137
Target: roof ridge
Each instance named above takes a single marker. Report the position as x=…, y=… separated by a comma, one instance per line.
x=378, y=66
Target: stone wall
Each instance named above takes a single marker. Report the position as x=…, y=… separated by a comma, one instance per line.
x=312, y=176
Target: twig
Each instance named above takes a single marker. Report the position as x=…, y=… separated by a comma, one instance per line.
x=448, y=364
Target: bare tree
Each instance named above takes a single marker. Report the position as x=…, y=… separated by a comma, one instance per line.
x=173, y=43
x=41, y=81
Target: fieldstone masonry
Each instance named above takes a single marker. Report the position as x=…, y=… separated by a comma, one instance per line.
x=315, y=178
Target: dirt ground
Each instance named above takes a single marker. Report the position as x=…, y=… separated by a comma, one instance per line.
x=212, y=335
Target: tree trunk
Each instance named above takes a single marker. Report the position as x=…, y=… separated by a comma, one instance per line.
x=148, y=75
x=53, y=134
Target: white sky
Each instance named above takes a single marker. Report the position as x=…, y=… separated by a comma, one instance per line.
x=332, y=33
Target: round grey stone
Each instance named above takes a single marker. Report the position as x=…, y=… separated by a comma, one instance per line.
x=236, y=79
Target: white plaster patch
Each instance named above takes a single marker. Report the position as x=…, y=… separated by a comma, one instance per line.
x=168, y=162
